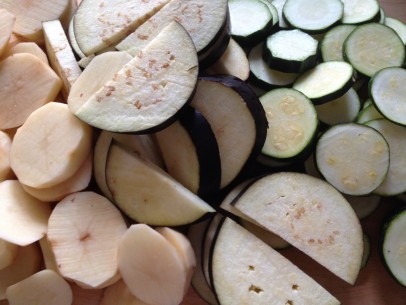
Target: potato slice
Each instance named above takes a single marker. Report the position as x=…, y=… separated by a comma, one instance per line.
x=30, y=15
x=7, y=21
x=45, y=287
x=27, y=84
x=24, y=218
x=8, y=252
x=48, y=255
x=5, y=146
x=119, y=294
x=50, y=147
x=84, y=231
x=60, y=54
x=78, y=182
x=26, y=263
x=27, y=47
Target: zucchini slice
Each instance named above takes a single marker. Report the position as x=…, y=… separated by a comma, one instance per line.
x=263, y=76
x=367, y=114
x=325, y=82
x=341, y=110
x=395, y=135
x=398, y=26
x=388, y=93
x=247, y=271
x=292, y=123
x=290, y=51
x=251, y=21
x=394, y=245
x=360, y=11
x=331, y=45
x=313, y=16
x=372, y=47
x=353, y=158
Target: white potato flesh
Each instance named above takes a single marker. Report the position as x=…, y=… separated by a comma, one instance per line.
x=50, y=147
x=150, y=89
x=26, y=263
x=27, y=84
x=119, y=294
x=45, y=287
x=146, y=193
x=101, y=69
x=5, y=146
x=202, y=19
x=28, y=47
x=78, y=182
x=247, y=271
x=60, y=54
x=99, y=24
x=84, y=231
x=30, y=14
x=294, y=206
x=24, y=218
x=6, y=28
x=48, y=255
x=8, y=252
x=154, y=279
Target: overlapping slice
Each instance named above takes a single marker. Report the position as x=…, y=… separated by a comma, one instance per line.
x=295, y=206
x=246, y=271
x=84, y=231
x=6, y=28
x=147, y=194
x=148, y=92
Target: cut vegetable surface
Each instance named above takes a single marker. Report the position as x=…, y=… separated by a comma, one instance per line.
x=84, y=231
x=149, y=91
x=313, y=16
x=6, y=28
x=353, y=158
x=8, y=252
x=50, y=147
x=331, y=46
x=24, y=218
x=154, y=279
x=372, y=47
x=294, y=206
x=360, y=11
x=247, y=271
x=5, y=145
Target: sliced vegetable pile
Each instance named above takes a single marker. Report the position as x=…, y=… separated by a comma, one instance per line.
x=148, y=146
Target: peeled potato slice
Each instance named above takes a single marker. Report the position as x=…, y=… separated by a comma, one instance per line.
x=45, y=287
x=84, y=231
x=5, y=145
x=24, y=218
x=154, y=279
x=48, y=255
x=7, y=21
x=8, y=252
x=50, y=147
x=119, y=294
x=27, y=84
x=61, y=56
x=30, y=15
x=26, y=263
x=27, y=47
x=78, y=182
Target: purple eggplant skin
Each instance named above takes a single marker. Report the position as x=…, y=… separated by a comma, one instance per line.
x=254, y=106
x=207, y=151
x=215, y=49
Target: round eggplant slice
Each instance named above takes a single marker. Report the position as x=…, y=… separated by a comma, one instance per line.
x=237, y=119
x=190, y=152
x=147, y=93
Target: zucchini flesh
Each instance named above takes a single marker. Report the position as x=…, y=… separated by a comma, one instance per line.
x=367, y=114
x=292, y=121
x=331, y=46
x=325, y=82
x=313, y=16
x=388, y=93
x=394, y=245
x=360, y=11
x=372, y=47
x=398, y=26
x=353, y=158
x=250, y=19
x=395, y=135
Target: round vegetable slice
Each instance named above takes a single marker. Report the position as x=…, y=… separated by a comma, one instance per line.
x=331, y=45
x=360, y=11
x=388, y=93
x=353, y=158
x=372, y=47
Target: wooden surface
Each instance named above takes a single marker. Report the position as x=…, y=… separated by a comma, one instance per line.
x=374, y=286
